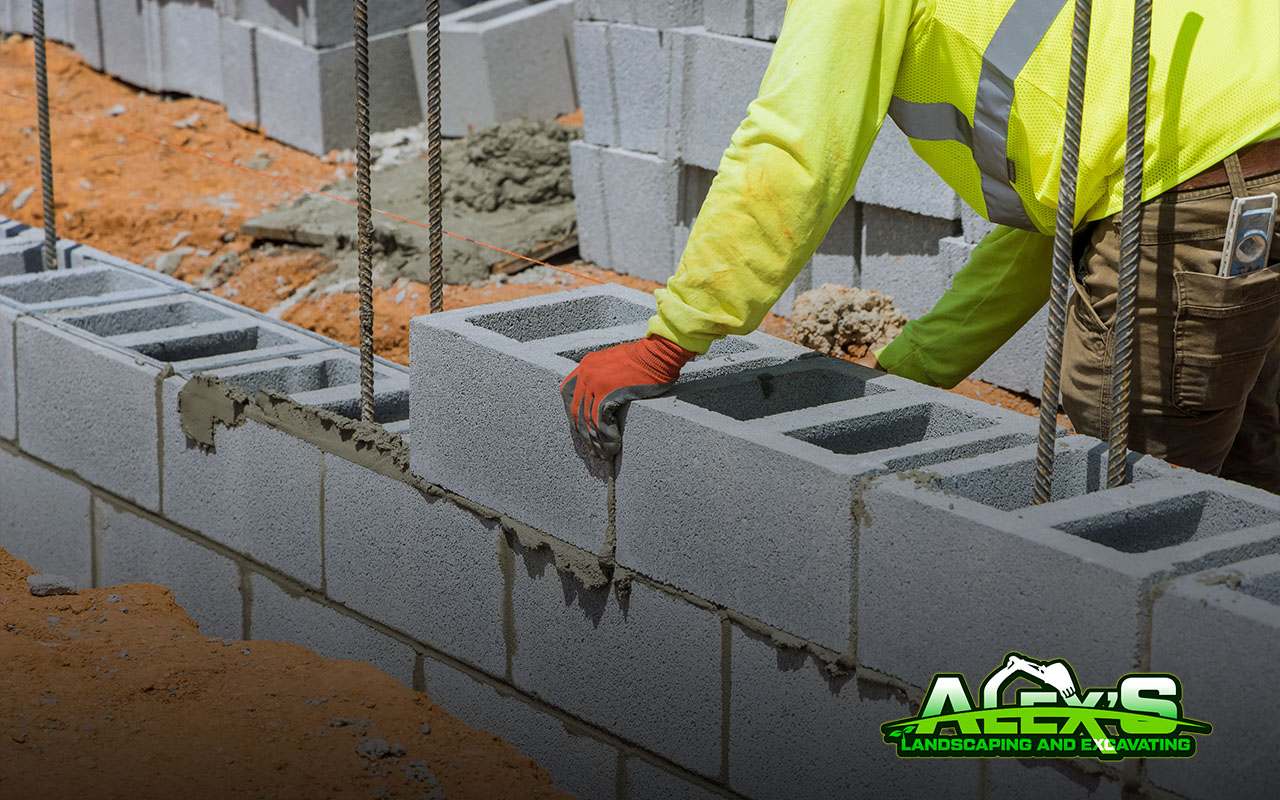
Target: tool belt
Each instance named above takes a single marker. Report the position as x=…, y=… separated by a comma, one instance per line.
x=1255, y=161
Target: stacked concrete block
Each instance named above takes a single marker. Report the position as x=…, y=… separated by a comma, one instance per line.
x=238, y=68
x=1019, y=363
x=190, y=42
x=131, y=549
x=909, y=256
x=122, y=351
x=485, y=378
x=623, y=72
x=420, y=565
x=654, y=660
x=771, y=463
x=45, y=518
x=578, y=763
x=21, y=251
x=15, y=17
x=502, y=60
x=796, y=732
x=325, y=23
x=259, y=490
x=1217, y=631
x=1083, y=569
x=893, y=176
x=45, y=291
x=759, y=19
x=278, y=612
x=660, y=14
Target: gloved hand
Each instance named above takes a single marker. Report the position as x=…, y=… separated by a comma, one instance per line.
x=607, y=380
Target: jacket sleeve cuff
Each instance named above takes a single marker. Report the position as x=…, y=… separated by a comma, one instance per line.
x=694, y=342
x=903, y=358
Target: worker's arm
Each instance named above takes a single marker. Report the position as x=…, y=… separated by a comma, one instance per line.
x=790, y=168
x=1004, y=284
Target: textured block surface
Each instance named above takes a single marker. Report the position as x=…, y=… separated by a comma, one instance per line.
x=238, y=58
x=623, y=74
x=654, y=675
x=1018, y=780
x=131, y=549
x=424, y=567
x=1019, y=363
x=44, y=519
x=909, y=256
x=895, y=177
x=1219, y=632
x=189, y=48
x=324, y=23
x=280, y=615
x=644, y=781
x=649, y=13
x=577, y=762
x=793, y=732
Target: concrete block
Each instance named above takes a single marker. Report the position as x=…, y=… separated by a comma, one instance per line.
x=21, y=254
x=325, y=23
x=15, y=17
x=654, y=674
x=1218, y=632
x=131, y=549
x=623, y=78
x=974, y=226
x=278, y=614
x=238, y=66
x=1017, y=780
x=714, y=78
x=482, y=83
x=44, y=518
x=578, y=763
x=488, y=376
x=74, y=255
x=766, y=19
x=895, y=177
x=644, y=781
x=1019, y=363
x=132, y=41
x=306, y=95
x=1082, y=569
x=650, y=13
x=795, y=732
x=422, y=566
x=909, y=256
x=190, y=42
x=730, y=17
x=738, y=447
x=85, y=22
x=259, y=490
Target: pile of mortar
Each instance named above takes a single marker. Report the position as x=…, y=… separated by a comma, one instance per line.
x=509, y=186
x=845, y=321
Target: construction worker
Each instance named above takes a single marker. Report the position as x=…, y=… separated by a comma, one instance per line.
x=979, y=86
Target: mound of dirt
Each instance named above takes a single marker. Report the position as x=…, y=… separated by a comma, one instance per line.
x=843, y=320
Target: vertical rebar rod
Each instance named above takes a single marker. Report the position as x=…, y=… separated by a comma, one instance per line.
x=50, y=250
x=364, y=208
x=435, y=188
x=1063, y=235
x=1130, y=235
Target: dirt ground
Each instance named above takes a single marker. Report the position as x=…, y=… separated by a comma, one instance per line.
x=113, y=693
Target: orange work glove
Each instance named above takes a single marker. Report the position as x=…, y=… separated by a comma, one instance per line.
x=607, y=380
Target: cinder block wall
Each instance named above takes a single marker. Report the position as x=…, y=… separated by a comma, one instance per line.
x=287, y=66
x=787, y=549
x=663, y=87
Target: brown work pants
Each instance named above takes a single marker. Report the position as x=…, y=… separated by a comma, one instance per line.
x=1205, y=391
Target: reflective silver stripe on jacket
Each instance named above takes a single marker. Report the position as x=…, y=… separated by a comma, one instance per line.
x=1017, y=37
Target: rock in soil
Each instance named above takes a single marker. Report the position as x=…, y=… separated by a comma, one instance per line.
x=49, y=585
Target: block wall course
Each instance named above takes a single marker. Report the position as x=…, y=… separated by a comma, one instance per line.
x=623, y=75
x=44, y=518
x=131, y=549
x=650, y=13
x=909, y=256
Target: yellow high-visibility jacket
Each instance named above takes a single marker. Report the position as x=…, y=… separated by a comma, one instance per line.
x=980, y=88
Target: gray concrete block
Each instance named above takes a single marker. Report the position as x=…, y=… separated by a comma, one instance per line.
x=627, y=204
x=238, y=59
x=578, y=763
x=190, y=42
x=650, y=13
x=15, y=17
x=766, y=19
x=1217, y=632
x=737, y=448
x=482, y=83
x=639, y=74
x=597, y=92
x=730, y=17
x=488, y=376
x=132, y=42
x=325, y=23
x=1019, y=363
x=131, y=549
x=795, y=732
x=909, y=256
x=644, y=781
x=974, y=226
x=714, y=78
x=78, y=255
x=895, y=177
x=279, y=614
x=654, y=674
x=21, y=254
x=1082, y=568
x=44, y=518
x=306, y=95
x=422, y=566
x=8, y=375
x=259, y=490
x=85, y=22
x=1018, y=780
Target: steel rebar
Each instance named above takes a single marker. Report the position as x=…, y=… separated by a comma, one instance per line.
x=435, y=188
x=49, y=253
x=364, y=208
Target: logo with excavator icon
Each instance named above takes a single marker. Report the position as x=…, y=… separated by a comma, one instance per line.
x=1052, y=717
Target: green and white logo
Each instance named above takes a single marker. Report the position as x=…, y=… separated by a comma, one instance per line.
x=1140, y=717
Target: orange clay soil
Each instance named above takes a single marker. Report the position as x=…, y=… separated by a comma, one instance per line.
x=113, y=693
x=120, y=189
